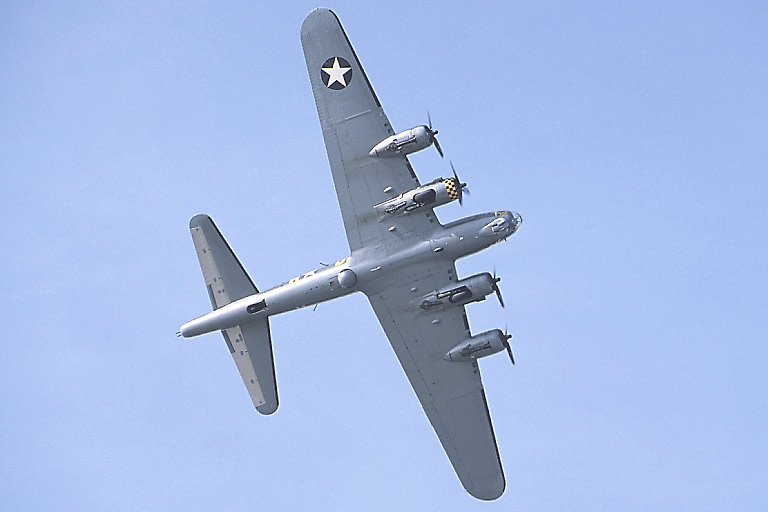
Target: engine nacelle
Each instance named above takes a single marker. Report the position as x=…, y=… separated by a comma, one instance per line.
x=404, y=143
x=436, y=193
x=478, y=346
x=471, y=289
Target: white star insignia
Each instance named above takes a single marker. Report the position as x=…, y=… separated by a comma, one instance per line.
x=336, y=73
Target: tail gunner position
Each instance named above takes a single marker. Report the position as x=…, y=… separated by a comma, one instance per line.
x=401, y=257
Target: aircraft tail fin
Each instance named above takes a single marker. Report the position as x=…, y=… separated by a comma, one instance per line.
x=227, y=281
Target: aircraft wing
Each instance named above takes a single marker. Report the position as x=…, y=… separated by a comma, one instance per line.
x=451, y=393
x=353, y=122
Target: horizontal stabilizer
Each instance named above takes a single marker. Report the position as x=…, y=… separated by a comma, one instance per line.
x=251, y=348
x=226, y=280
x=224, y=276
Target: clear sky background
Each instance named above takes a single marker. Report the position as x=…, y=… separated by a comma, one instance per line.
x=633, y=139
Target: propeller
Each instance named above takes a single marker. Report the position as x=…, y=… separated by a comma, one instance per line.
x=459, y=186
x=495, y=287
x=505, y=341
x=432, y=137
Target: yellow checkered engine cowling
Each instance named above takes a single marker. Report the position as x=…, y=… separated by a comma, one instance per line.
x=437, y=193
x=452, y=187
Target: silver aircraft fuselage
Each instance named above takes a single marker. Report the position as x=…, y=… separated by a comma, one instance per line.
x=360, y=272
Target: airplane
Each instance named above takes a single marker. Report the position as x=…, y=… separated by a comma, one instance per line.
x=401, y=257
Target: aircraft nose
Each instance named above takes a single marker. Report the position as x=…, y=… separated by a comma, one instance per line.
x=514, y=219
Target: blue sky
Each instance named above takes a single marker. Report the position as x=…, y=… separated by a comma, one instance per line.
x=632, y=138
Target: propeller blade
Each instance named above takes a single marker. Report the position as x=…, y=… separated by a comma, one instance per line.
x=432, y=134
x=459, y=185
x=511, y=355
x=437, y=145
x=507, y=337
x=498, y=294
x=495, y=287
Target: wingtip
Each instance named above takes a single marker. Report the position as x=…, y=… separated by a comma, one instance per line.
x=490, y=490
x=268, y=408
x=198, y=220
x=317, y=14
x=320, y=11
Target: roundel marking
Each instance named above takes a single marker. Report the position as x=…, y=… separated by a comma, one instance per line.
x=336, y=73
